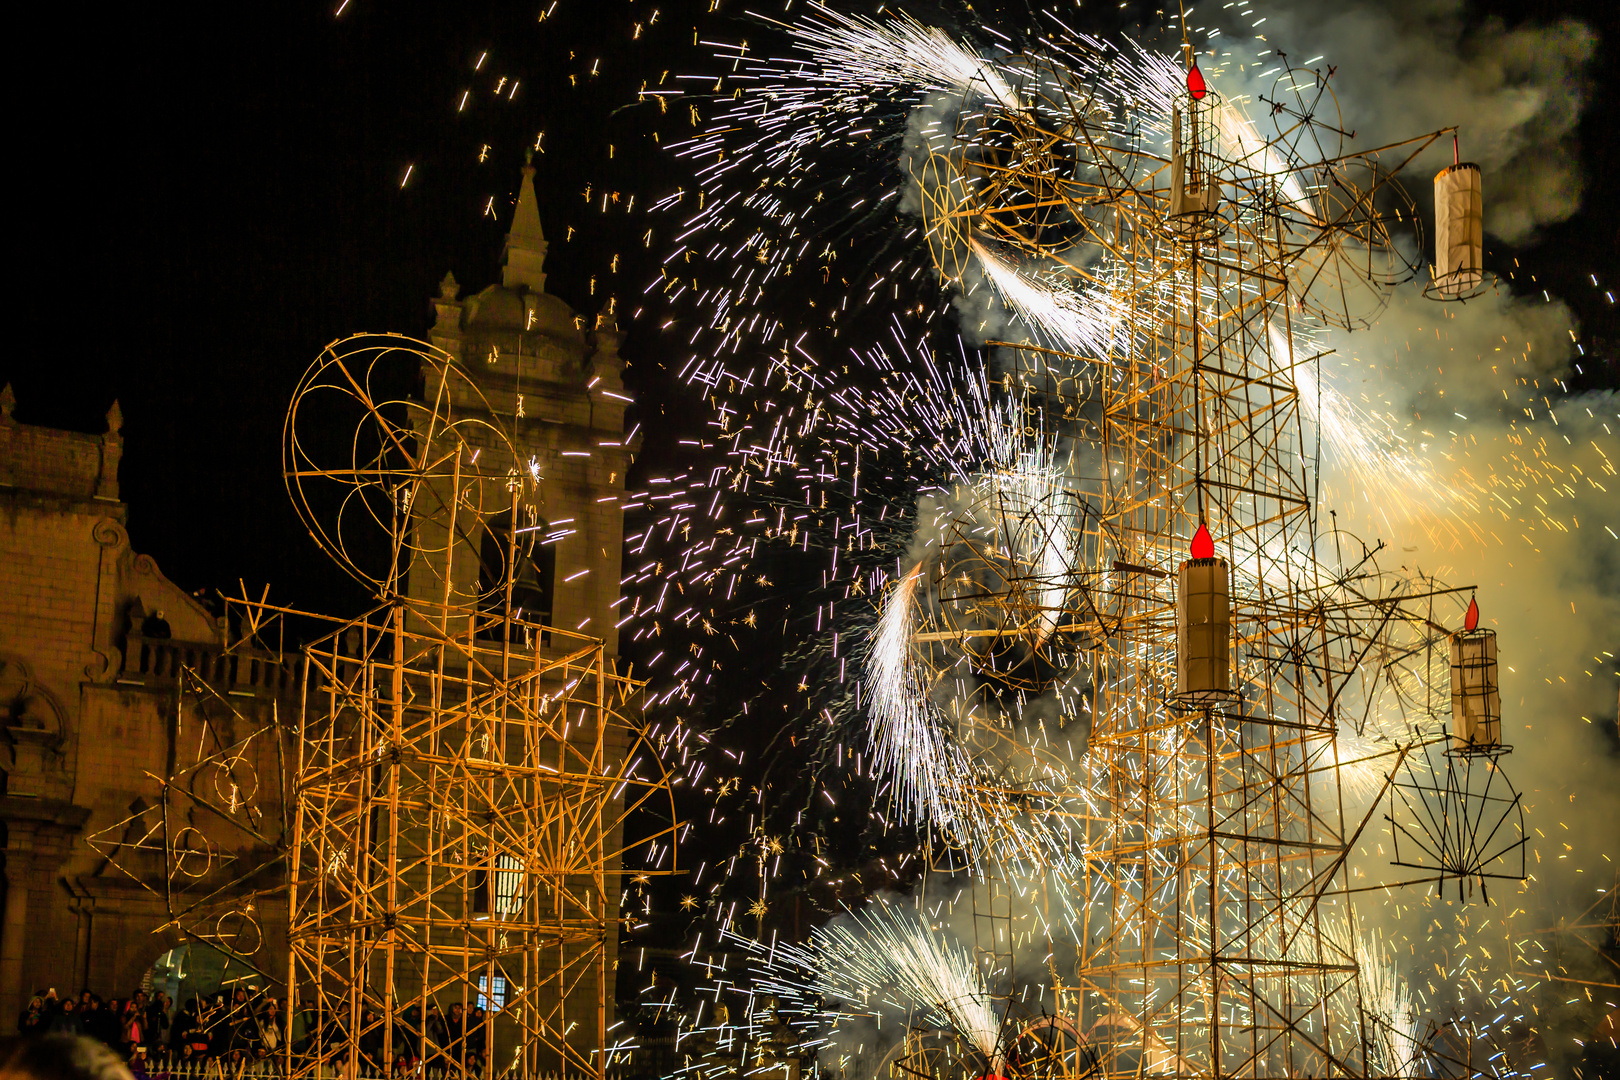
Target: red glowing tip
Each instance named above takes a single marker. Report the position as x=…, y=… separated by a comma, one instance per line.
x=1471, y=620
x=1203, y=546
x=1195, y=83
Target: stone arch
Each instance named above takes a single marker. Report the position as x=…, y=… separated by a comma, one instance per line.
x=134, y=964
x=26, y=704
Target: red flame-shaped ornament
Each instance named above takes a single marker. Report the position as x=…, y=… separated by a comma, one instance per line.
x=1203, y=546
x=1195, y=83
x=1471, y=620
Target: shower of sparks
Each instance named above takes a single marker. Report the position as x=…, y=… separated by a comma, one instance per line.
x=887, y=946
x=1392, y=1017
x=851, y=52
x=907, y=742
x=1083, y=322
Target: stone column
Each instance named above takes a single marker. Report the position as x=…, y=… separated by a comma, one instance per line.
x=14, y=922
x=112, y=451
x=38, y=833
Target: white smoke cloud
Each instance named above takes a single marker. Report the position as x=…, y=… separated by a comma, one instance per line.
x=1474, y=392
x=1406, y=67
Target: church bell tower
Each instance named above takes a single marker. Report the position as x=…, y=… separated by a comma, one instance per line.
x=553, y=381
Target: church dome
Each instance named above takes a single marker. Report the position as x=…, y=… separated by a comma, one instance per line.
x=501, y=308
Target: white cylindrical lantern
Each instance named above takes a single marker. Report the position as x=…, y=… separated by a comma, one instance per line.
x=1476, y=707
x=1204, y=632
x=1195, y=193
x=1459, y=234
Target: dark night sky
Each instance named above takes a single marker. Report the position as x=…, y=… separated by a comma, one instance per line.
x=213, y=194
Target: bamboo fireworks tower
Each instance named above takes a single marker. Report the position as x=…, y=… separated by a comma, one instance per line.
x=1206, y=836
x=466, y=779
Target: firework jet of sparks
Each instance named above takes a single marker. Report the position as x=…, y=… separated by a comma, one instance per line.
x=905, y=736
x=1366, y=445
x=883, y=958
x=887, y=946
x=1084, y=322
x=1389, y=1006
x=853, y=52
x=1027, y=500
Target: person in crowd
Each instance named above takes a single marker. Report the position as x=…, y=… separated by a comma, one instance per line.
x=197, y=1031
x=241, y=1026
x=33, y=1018
x=155, y=625
x=130, y=1034
x=333, y=1034
x=304, y=1031
x=437, y=1033
x=371, y=1039
x=272, y=1037
x=212, y=1017
x=408, y=1032
x=65, y=1021
x=156, y=1028
x=455, y=1025
x=476, y=1034
x=100, y=1021
x=184, y=1024
x=138, y=1066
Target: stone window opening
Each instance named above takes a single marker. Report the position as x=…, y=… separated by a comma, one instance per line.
x=533, y=577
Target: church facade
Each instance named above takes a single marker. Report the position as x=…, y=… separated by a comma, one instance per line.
x=92, y=640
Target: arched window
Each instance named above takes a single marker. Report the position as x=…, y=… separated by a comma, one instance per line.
x=534, y=577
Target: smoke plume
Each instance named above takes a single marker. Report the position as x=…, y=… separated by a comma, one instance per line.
x=1406, y=67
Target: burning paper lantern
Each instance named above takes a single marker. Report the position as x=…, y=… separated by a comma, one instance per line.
x=1476, y=707
x=1459, y=239
x=1204, y=625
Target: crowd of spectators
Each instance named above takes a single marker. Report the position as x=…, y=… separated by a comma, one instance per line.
x=240, y=1026
x=147, y=1030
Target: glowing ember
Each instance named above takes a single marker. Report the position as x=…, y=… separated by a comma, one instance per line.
x=1203, y=546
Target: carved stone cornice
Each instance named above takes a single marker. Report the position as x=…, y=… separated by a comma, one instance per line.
x=39, y=835
x=54, y=814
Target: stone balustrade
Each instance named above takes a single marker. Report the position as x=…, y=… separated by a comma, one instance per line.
x=159, y=661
